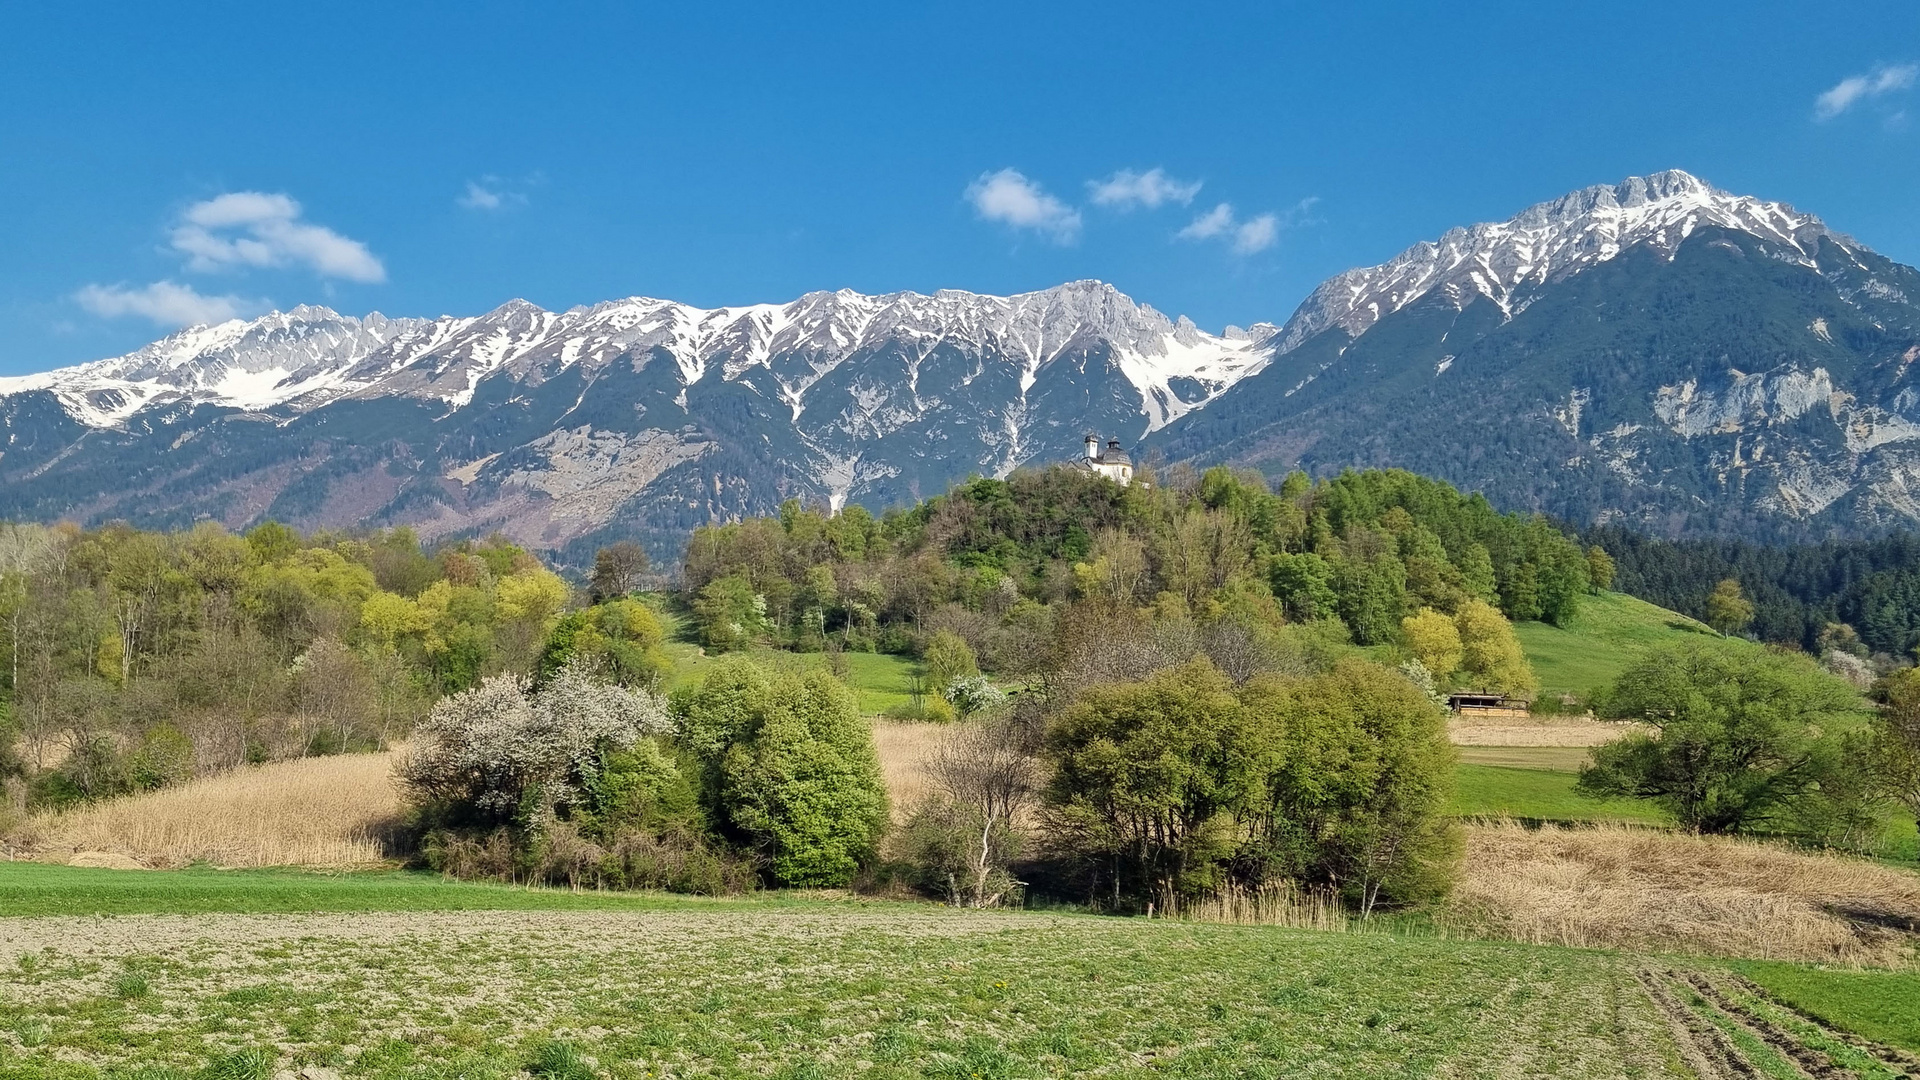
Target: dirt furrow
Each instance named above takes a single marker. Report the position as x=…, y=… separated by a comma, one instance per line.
x=1705, y=1048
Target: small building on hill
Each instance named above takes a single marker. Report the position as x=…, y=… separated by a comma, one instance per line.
x=1109, y=461
x=1480, y=705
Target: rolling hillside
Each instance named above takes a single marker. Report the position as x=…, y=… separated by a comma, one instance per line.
x=1609, y=632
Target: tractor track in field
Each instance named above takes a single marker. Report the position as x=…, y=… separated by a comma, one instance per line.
x=1696, y=1002
x=1813, y=1062
x=1705, y=1048
x=1894, y=1058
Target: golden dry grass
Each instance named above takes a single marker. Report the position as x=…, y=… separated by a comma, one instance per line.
x=903, y=748
x=321, y=812
x=1633, y=888
x=1554, y=732
x=1548, y=758
x=1278, y=904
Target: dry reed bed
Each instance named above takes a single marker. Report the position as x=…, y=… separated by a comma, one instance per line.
x=903, y=748
x=1613, y=886
x=327, y=812
x=1558, y=731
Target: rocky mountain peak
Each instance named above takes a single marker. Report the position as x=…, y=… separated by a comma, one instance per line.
x=1503, y=261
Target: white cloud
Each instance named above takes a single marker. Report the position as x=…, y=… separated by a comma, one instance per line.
x=1210, y=224
x=1244, y=237
x=166, y=303
x=1856, y=88
x=1256, y=235
x=1127, y=189
x=1009, y=197
x=491, y=193
x=479, y=198
x=252, y=228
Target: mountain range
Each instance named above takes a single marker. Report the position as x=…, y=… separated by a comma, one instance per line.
x=1656, y=352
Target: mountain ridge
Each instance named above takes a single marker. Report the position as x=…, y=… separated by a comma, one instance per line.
x=1594, y=319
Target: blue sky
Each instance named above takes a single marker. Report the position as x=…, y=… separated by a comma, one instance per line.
x=163, y=161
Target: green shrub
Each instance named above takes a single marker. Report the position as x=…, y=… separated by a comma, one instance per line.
x=1738, y=733
x=164, y=756
x=1181, y=783
x=622, y=636
x=1144, y=774
x=789, y=768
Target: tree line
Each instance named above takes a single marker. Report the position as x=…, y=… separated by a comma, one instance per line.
x=1168, y=689
x=1863, y=595
x=137, y=659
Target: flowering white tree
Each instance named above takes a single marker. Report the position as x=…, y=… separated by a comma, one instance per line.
x=490, y=746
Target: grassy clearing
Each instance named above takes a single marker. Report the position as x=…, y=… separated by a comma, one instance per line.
x=1536, y=794
x=741, y=991
x=882, y=681
x=1607, y=634
x=1565, y=759
x=1881, y=1005
x=332, y=812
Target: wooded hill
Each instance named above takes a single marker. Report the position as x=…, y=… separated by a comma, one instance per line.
x=997, y=562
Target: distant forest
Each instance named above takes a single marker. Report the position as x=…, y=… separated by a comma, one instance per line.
x=1798, y=591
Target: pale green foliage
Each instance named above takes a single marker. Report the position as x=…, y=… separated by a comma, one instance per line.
x=731, y=614
x=1491, y=657
x=1434, y=640
x=948, y=657
x=1728, y=610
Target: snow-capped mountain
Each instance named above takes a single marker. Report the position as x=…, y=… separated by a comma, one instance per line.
x=1545, y=243
x=835, y=396
x=310, y=356
x=296, y=356
x=1658, y=350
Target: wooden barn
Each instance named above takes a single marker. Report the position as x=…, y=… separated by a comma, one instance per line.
x=1483, y=706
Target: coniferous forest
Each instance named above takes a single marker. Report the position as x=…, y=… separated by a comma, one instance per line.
x=1865, y=593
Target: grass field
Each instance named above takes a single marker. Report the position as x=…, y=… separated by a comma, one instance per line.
x=1606, y=635
x=744, y=989
x=1882, y=1005
x=202, y=975
x=237, y=975
x=1537, y=794
x=36, y=889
